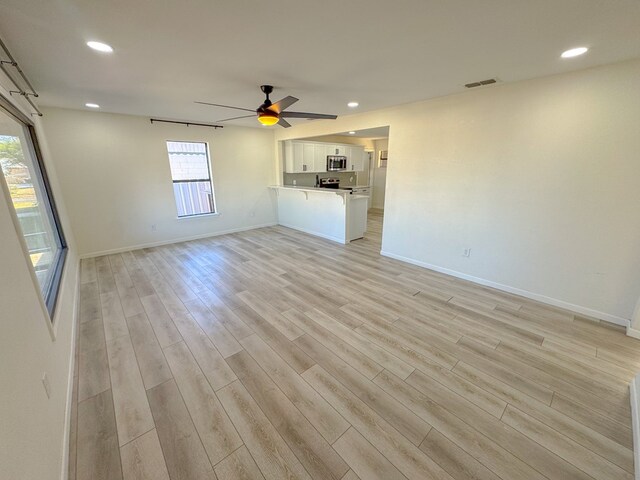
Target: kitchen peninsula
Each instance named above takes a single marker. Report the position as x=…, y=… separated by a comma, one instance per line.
x=334, y=214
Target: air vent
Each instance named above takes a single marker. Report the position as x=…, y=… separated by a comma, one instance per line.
x=481, y=83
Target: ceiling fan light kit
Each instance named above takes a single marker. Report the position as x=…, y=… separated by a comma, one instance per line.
x=270, y=114
x=268, y=118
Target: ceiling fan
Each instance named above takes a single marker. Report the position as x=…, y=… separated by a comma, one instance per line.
x=271, y=113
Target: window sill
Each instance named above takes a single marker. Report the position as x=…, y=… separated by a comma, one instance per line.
x=215, y=214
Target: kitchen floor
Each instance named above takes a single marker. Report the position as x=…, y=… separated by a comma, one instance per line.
x=273, y=354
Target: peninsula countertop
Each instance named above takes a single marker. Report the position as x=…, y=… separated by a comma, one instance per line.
x=319, y=189
x=335, y=214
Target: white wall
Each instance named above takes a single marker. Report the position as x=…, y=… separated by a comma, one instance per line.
x=115, y=174
x=33, y=427
x=379, y=176
x=538, y=178
x=635, y=319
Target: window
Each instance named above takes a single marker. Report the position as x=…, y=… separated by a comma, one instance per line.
x=191, y=174
x=27, y=185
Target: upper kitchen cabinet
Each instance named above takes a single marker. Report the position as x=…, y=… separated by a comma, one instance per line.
x=355, y=158
x=337, y=149
x=320, y=157
x=311, y=157
x=294, y=157
x=304, y=157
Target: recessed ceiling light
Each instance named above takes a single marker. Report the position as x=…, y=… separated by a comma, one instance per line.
x=92, y=105
x=352, y=104
x=574, y=52
x=100, y=47
x=352, y=133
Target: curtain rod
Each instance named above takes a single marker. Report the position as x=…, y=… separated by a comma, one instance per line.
x=210, y=125
x=21, y=91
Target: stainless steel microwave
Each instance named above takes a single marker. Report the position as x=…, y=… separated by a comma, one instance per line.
x=336, y=163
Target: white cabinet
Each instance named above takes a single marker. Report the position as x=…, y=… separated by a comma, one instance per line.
x=299, y=157
x=311, y=157
x=355, y=158
x=293, y=157
x=356, y=217
x=320, y=157
x=337, y=149
x=308, y=157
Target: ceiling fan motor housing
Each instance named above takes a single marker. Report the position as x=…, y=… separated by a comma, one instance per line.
x=267, y=89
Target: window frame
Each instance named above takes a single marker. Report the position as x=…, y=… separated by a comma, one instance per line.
x=210, y=180
x=50, y=301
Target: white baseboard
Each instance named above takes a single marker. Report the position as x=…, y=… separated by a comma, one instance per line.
x=632, y=332
x=635, y=424
x=174, y=240
x=64, y=474
x=516, y=291
x=317, y=234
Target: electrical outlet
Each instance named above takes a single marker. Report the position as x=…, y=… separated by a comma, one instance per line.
x=153, y=227
x=466, y=252
x=295, y=183
x=46, y=384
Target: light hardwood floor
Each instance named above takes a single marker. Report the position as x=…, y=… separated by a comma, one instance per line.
x=272, y=354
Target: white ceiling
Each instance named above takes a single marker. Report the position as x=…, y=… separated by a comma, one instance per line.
x=379, y=53
x=369, y=133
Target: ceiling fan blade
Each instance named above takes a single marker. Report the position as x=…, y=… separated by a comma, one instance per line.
x=280, y=105
x=225, y=106
x=234, y=118
x=307, y=115
x=283, y=123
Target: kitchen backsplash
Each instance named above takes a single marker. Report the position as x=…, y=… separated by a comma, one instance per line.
x=309, y=179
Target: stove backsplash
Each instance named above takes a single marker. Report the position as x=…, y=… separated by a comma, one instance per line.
x=309, y=179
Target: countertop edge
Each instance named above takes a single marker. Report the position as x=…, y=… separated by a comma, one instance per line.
x=312, y=189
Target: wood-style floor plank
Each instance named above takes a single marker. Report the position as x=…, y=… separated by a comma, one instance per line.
x=226, y=343
x=142, y=459
x=616, y=431
x=153, y=366
x=564, y=424
x=295, y=357
x=238, y=466
x=162, y=324
x=98, y=452
x=313, y=451
x=88, y=271
x=401, y=418
x=404, y=455
x=211, y=363
x=184, y=454
x=364, y=459
x=271, y=315
x=321, y=415
x=133, y=416
x=90, y=308
x=212, y=423
x=271, y=453
x=373, y=351
x=594, y=465
x=113, y=317
x=271, y=354
x=354, y=357
x=458, y=463
x=92, y=359
x=484, y=450
x=543, y=460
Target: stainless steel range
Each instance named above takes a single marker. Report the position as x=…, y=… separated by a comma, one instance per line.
x=330, y=182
